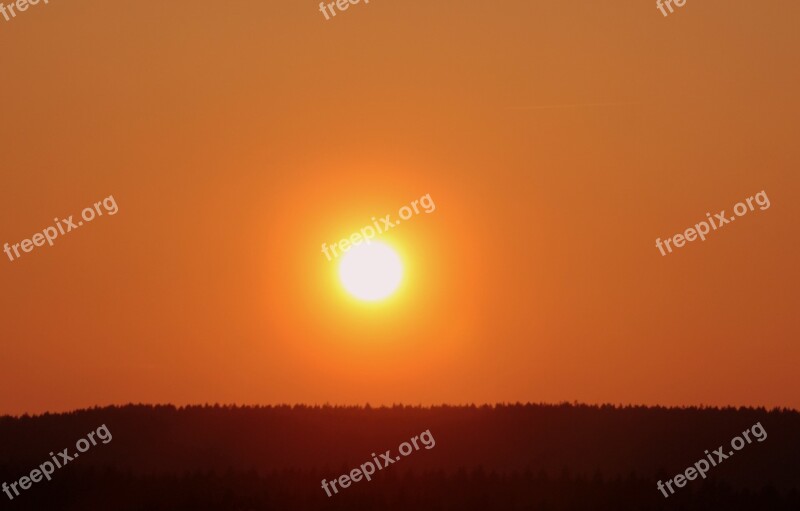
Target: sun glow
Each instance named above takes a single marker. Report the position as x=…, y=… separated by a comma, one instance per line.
x=371, y=272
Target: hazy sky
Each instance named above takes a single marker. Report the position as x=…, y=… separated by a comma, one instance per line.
x=557, y=139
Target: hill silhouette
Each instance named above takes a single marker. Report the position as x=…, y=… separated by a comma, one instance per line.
x=531, y=456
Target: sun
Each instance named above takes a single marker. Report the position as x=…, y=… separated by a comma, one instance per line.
x=371, y=272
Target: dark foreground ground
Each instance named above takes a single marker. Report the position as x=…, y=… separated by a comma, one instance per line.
x=514, y=457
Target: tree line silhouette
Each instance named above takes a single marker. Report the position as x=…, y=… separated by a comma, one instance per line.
x=510, y=456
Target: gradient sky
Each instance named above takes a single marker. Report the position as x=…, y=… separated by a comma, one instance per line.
x=557, y=139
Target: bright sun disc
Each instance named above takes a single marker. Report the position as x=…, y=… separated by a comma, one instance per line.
x=371, y=272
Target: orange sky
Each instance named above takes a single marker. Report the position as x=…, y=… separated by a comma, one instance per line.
x=557, y=139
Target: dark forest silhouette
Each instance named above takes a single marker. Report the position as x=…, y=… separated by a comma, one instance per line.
x=531, y=457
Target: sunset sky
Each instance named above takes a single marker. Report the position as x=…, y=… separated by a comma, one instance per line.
x=558, y=140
